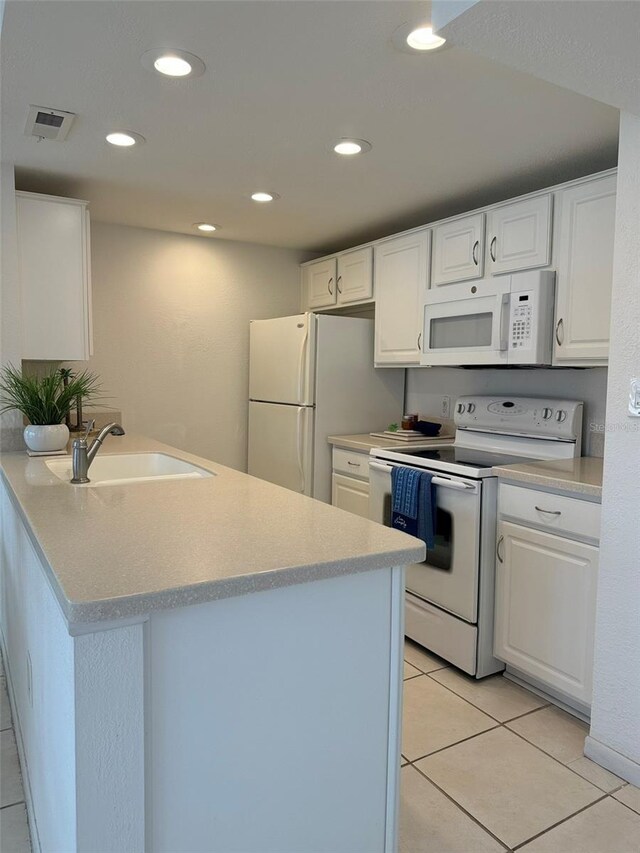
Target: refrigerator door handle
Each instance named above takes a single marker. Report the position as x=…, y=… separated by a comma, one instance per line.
x=300, y=449
x=301, y=365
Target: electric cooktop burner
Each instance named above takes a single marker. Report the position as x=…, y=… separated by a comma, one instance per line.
x=464, y=456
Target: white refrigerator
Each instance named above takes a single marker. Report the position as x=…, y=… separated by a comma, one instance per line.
x=311, y=376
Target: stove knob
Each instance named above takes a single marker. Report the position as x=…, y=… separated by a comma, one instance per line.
x=561, y=416
x=460, y=408
x=546, y=414
x=471, y=407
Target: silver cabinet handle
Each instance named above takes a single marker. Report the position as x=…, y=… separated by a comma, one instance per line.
x=474, y=252
x=329, y=283
x=498, y=544
x=338, y=284
x=559, y=325
x=353, y=464
x=549, y=511
x=492, y=247
x=420, y=341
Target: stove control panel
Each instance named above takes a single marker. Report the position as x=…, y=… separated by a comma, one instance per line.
x=531, y=416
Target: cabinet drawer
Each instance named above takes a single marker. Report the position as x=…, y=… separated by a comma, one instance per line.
x=566, y=516
x=351, y=462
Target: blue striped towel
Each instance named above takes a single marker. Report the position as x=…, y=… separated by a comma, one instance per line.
x=413, y=503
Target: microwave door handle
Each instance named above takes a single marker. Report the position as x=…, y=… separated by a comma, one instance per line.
x=504, y=321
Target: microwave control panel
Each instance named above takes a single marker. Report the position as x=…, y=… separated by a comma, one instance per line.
x=522, y=318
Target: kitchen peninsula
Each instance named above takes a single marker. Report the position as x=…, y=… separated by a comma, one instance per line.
x=201, y=664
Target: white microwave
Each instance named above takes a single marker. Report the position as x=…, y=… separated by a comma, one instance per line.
x=502, y=320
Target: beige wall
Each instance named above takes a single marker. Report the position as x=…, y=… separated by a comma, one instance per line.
x=10, y=321
x=171, y=331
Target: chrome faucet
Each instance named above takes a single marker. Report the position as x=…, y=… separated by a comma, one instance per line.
x=83, y=454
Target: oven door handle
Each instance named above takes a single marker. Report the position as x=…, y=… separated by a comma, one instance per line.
x=378, y=466
x=459, y=485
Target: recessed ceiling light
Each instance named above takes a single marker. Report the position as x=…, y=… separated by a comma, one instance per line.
x=349, y=147
x=423, y=38
x=206, y=226
x=412, y=38
x=124, y=138
x=264, y=196
x=172, y=62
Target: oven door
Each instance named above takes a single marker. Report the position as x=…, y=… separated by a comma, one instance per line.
x=467, y=324
x=448, y=577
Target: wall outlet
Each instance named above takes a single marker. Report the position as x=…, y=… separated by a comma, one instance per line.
x=435, y=405
x=634, y=399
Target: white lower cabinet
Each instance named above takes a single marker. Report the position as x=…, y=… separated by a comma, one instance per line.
x=350, y=481
x=545, y=607
x=350, y=494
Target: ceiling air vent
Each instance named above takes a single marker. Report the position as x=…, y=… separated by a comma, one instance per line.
x=46, y=123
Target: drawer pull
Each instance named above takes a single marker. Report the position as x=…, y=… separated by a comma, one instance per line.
x=354, y=464
x=498, y=544
x=549, y=511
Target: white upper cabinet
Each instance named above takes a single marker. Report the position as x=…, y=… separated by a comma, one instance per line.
x=585, y=271
x=344, y=279
x=458, y=250
x=55, y=277
x=320, y=279
x=519, y=235
x=355, y=276
x=401, y=280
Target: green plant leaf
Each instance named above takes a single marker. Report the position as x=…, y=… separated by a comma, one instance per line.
x=45, y=400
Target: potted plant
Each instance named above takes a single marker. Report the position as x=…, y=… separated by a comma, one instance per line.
x=46, y=402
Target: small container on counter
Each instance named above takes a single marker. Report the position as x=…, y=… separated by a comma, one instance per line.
x=409, y=421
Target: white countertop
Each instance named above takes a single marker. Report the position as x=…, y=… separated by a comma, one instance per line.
x=581, y=476
x=366, y=442
x=119, y=551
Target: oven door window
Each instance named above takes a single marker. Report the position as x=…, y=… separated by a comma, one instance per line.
x=449, y=575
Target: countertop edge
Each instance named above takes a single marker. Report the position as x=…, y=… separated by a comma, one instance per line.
x=550, y=482
x=83, y=614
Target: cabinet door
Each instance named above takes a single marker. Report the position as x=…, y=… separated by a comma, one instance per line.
x=54, y=267
x=350, y=494
x=401, y=270
x=519, y=235
x=355, y=276
x=321, y=285
x=458, y=250
x=545, y=607
x=585, y=271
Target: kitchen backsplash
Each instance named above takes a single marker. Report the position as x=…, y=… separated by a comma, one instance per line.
x=589, y=385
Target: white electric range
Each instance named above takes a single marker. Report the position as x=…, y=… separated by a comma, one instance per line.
x=450, y=596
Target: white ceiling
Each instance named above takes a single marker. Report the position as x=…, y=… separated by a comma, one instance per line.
x=589, y=46
x=284, y=79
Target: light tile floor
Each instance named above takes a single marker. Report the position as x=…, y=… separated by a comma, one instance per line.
x=487, y=767
x=14, y=830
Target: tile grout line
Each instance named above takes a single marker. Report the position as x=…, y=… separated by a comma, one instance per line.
x=557, y=760
x=457, y=743
x=462, y=809
x=477, y=707
x=560, y=822
x=11, y=805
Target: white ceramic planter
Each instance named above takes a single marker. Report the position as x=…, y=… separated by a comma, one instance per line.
x=46, y=439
